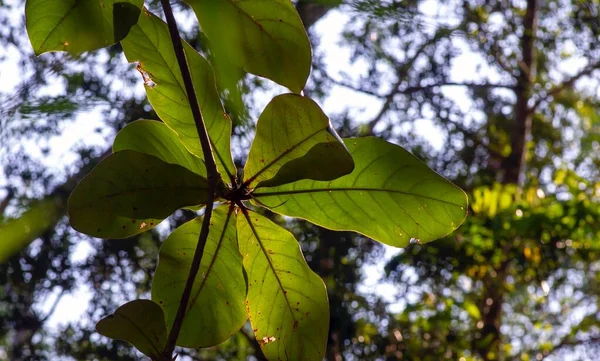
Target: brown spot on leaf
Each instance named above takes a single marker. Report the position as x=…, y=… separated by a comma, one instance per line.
x=267, y=339
x=295, y=325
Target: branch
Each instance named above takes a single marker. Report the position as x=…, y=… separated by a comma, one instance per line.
x=53, y=307
x=520, y=131
x=311, y=11
x=501, y=61
x=255, y=345
x=212, y=177
x=401, y=71
x=566, y=84
x=9, y=196
x=418, y=88
x=414, y=89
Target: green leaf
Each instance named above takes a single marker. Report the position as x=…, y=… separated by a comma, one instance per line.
x=149, y=44
x=157, y=139
x=139, y=322
x=18, y=233
x=295, y=140
x=130, y=192
x=265, y=38
x=216, y=308
x=78, y=25
x=391, y=196
x=286, y=302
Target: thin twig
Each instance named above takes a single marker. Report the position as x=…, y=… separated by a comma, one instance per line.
x=419, y=88
x=53, y=307
x=9, y=196
x=566, y=84
x=401, y=71
x=212, y=177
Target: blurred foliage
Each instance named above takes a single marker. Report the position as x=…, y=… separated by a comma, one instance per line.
x=519, y=281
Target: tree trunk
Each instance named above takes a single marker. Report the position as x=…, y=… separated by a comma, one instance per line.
x=489, y=345
x=514, y=164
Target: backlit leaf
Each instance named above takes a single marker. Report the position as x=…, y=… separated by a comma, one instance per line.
x=391, y=196
x=157, y=139
x=149, y=44
x=216, y=307
x=139, y=322
x=294, y=140
x=79, y=25
x=287, y=302
x=18, y=233
x=130, y=192
x=265, y=38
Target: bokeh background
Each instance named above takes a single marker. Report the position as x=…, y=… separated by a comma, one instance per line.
x=501, y=97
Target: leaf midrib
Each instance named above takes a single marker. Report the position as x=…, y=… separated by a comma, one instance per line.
x=113, y=195
x=59, y=23
x=212, y=261
x=264, y=251
x=141, y=332
x=344, y=189
x=184, y=92
x=283, y=154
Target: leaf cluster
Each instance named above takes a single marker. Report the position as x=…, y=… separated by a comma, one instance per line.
x=249, y=267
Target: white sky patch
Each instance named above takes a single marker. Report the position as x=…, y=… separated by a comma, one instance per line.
x=373, y=284
x=71, y=307
x=337, y=58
